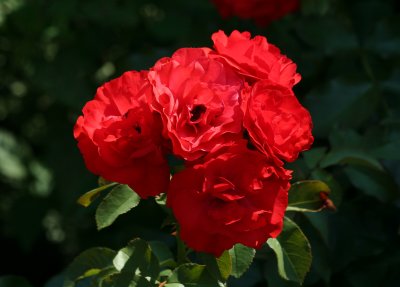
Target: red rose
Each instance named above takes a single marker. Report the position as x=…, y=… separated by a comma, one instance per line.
x=236, y=197
x=198, y=99
x=277, y=123
x=120, y=137
x=262, y=11
x=255, y=58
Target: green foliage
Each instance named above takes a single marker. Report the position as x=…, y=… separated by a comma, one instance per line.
x=242, y=256
x=350, y=111
x=136, y=262
x=221, y=267
x=192, y=275
x=118, y=201
x=90, y=263
x=53, y=55
x=309, y=196
x=293, y=252
x=87, y=199
x=163, y=254
x=133, y=265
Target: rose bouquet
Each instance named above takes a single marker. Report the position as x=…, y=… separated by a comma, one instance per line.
x=228, y=113
x=209, y=130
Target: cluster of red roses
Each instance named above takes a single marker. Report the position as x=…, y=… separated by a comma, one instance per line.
x=229, y=113
x=262, y=11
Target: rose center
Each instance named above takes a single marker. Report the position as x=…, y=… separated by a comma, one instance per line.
x=197, y=112
x=137, y=128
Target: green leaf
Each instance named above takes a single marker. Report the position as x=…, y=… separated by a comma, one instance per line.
x=165, y=273
x=346, y=139
x=137, y=257
x=314, y=156
x=242, y=257
x=373, y=182
x=101, y=181
x=192, y=275
x=350, y=156
x=329, y=110
x=388, y=151
x=293, y=252
x=163, y=254
x=86, y=199
x=318, y=236
x=220, y=267
x=309, y=196
x=104, y=277
x=182, y=251
x=126, y=279
x=120, y=200
x=320, y=222
x=13, y=281
x=88, y=263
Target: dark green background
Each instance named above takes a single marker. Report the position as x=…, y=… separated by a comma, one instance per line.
x=53, y=55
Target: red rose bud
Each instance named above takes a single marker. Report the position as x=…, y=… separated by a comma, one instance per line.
x=278, y=125
x=255, y=58
x=120, y=137
x=262, y=11
x=236, y=197
x=198, y=99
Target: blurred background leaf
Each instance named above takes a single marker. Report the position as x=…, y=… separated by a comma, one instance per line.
x=55, y=53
